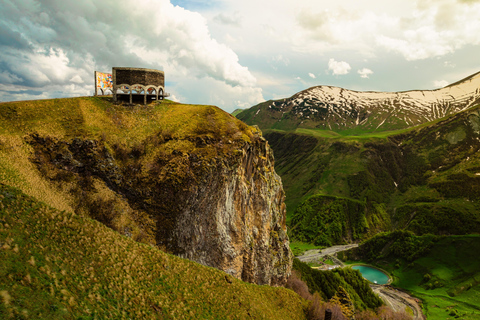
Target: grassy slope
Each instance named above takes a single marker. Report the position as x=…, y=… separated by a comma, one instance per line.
x=454, y=266
x=158, y=130
x=56, y=264
x=444, y=273
x=117, y=274
x=236, y=112
x=420, y=178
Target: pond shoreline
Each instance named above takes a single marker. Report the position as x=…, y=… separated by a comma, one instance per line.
x=395, y=298
x=389, y=276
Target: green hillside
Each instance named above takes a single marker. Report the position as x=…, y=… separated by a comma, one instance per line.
x=236, y=112
x=114, y=163
x=425, y=179
x=58, y=265
x=65, y=163
x=326, y=283
x=443, y=271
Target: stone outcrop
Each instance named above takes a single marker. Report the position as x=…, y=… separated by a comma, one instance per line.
x=217, y=202
x=235, y=220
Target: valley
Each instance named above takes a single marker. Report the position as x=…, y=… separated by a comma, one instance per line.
x=397, y=300
x=209, y=195
x=352, y=171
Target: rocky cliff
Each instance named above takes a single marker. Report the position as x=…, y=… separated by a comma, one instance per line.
x=192, y=180
x=234, y=219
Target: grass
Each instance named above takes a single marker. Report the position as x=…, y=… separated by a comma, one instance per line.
x=156, y=130
x=65, y=160
x=422, y=178
x=453, y=282
x=92, y=116
x=299, y=248
x=446, y=277
x=58, y=265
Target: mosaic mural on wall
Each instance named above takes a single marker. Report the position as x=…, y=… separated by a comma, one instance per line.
x=104, y=82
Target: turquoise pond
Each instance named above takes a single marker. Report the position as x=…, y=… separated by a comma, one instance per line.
x=372, y=274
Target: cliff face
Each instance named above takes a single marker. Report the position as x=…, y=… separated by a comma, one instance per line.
x=234, y=219
x=208, y=193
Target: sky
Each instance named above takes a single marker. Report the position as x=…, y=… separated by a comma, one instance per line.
x=235, y=54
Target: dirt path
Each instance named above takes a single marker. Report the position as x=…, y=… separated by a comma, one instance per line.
x=316, y=255
x=398, y=300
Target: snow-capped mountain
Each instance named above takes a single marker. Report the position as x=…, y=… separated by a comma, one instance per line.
x=337, y=109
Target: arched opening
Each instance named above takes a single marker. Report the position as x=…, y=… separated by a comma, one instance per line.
x=151, y=94
x=138, y=89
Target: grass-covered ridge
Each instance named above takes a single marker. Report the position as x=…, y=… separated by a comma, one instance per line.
x=443, y=271
x=425, y=179
x=58, y=265
x=91, y=156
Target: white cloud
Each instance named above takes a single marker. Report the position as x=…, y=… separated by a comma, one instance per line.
x=338, y=67
x=68, y=40
x=417, y=30
x=214, y=92
x=225, y=19
x=449, y=64
x=311, y=75
x=365, y=73
x=280, y=59
x=440, y=83
x=434, y=29
x=237, y=43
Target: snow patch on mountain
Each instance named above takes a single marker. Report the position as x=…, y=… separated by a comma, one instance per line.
x=350, y=108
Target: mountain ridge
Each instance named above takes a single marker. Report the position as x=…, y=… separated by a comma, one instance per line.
x=425, y=179
x=343, y=110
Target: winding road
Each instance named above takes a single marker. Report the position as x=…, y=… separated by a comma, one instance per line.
x=398, y=300
x=395, y=299
x=315, y=255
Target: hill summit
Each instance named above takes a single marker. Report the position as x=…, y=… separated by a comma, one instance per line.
x=342, y=110
x=189, y=179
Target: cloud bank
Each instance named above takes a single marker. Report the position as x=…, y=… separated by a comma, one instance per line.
x=54, y=46
x=236, y=53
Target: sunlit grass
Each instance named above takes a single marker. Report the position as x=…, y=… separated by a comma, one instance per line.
x=58, y=265
x=99, y=119
x=298, y=248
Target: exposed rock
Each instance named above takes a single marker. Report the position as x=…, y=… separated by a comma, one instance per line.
x=235, y=220
x=220, y=206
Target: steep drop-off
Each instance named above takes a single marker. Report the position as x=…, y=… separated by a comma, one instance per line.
x=192, y=180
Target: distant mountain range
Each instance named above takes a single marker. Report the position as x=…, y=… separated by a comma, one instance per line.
x=342, y=110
